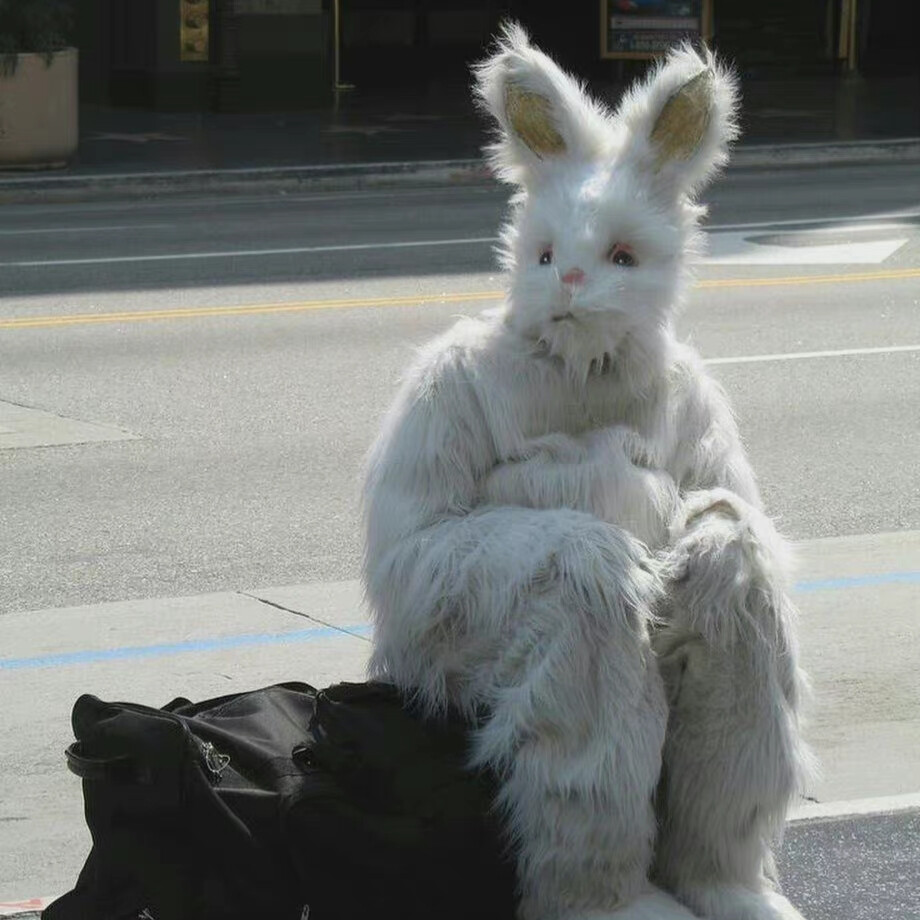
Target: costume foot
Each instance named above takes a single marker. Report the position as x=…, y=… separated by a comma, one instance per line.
x=654, y=905
x=738, y=903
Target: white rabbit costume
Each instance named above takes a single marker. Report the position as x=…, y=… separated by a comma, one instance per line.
x=563, y=528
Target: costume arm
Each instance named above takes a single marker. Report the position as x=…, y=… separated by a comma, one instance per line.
x=438, y=566
x=716, y=480
x=607, y=472
x=708, y=452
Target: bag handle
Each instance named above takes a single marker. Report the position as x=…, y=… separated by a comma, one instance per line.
x=112, y=769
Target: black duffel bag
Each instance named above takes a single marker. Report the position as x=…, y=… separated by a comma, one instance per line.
x=280, y=804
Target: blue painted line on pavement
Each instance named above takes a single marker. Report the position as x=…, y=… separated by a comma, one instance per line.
x=178, y=648
x=858, y=581
x=309, y=635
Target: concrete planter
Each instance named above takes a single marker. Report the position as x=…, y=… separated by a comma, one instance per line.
x=38, y=111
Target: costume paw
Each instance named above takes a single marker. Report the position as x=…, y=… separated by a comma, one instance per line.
x=707, y=524
x=738, y=903
x=718, y=530
x=719, y=502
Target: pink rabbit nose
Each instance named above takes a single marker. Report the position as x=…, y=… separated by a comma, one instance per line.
x=573, y=276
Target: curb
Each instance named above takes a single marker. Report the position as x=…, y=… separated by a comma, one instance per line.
x=24, y=910
x=854, y=808
x=279, y=179
x=764, y=156
x=803, y=814
x=358, y=176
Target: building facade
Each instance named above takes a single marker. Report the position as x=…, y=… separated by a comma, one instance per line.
x=226, y=55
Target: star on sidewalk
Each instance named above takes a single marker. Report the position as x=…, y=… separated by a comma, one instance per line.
x=144, y=138
x=366, y=130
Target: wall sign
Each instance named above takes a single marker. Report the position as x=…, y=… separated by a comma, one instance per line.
x=646, y=28
x=194, y=22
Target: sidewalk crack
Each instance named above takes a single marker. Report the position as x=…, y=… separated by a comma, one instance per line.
x=305, y=616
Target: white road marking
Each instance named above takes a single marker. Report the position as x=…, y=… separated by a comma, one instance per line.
x=843, y=222
x=745, y=249
x=241, y=253
x=804, y=355
x=108, y=229
x=834, y=227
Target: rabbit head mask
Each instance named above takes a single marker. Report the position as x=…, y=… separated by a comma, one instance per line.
x=604, y=220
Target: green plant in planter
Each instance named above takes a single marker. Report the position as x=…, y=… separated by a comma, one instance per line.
x=33, y=26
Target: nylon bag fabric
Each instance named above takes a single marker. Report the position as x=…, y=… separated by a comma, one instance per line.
x=280, y=804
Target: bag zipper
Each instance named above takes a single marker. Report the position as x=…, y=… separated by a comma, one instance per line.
x=215, y=762
x=211, y=758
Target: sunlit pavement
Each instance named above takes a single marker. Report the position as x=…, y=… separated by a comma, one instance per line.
x=150, y=650
x=187, y=388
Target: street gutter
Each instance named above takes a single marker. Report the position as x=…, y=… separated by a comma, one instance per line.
x=62, y=187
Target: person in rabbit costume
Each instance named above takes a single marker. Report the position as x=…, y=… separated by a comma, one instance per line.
x=563, y=531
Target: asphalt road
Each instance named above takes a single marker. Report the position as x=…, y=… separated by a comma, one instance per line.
x=857, y=868
x=249, y=422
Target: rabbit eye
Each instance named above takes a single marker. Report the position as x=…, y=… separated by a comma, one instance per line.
x=621, y=255
x=546, y=256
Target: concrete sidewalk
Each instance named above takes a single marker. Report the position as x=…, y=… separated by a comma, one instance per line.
x=860, y=601
x=372, y=138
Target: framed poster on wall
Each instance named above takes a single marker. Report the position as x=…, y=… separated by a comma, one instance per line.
x=635, y=29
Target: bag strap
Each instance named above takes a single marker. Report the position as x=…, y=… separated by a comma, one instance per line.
x=121, y=769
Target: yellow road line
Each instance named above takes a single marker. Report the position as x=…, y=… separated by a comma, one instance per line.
x=75, y=319
x=297, y=306
x=889, y=274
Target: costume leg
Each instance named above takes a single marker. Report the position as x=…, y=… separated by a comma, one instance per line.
x=576, y=706
x=733, y=758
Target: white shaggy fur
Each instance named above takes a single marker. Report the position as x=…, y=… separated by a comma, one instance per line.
x=563, y=530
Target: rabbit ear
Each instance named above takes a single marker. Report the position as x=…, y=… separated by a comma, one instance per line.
x=542, y=113
x=680, y=121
